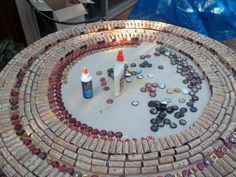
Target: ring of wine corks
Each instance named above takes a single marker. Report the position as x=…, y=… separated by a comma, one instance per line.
x=35, y=140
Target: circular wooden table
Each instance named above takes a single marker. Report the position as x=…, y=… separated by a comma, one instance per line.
x=48, y=129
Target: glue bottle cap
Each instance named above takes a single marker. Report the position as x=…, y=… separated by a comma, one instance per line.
x=85, y=71
x=120, y=56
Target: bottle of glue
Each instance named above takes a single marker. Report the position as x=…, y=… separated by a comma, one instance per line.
x=87, y=86
x=119, y=71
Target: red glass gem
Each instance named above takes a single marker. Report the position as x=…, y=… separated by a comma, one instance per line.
x=110, y=134
x=77, y=124
x=118, y=135
x=55, y=164
x=143, y=89
x=95, y=131
x=70, y=170
x=148, y=56
x=36, y=151
x=106, y=88
x=193, y=170
x=103, y=133
x=62, y=168
x=15, y=117
x=186, y=173
x=27, y=142
x=229, y=145
x=32, y=147
x=72, y=120
x=18, y=127
x=89, y=129
x=16, y=122
x=219, y=153
x=201, y=166
x=83, y=126
x=109, y=101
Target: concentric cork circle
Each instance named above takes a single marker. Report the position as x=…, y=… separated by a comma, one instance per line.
x=48, y=129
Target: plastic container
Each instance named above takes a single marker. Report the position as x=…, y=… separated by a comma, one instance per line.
x=87, y=86
x=119, y=71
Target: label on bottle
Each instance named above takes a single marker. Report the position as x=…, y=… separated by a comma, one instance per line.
x=122, y=83
x=87, y=88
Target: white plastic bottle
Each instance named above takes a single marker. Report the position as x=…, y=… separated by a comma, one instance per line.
x=87, y=86
x=119, y=71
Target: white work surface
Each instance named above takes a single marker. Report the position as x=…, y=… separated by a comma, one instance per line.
x=132, y=121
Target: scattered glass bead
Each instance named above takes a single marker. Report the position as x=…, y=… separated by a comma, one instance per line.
x=109, y=101
x=167, y=53
x=127, y=74
x=99, y=73
x=189, y=104
x=183, y=109
x=77, y=174
x=199, y=87
x=182, y=122
x=195, y=98
x=155, y=85
x=153, y=89
x=191, y=93
x=150, y=76
x=133, y=73
x=138, y=71
x=207, y=161
x=164, y=102
x=167, y=121
x=148, y=85
x=178, y=115
x=142, y=57
x=154, y=128
x=169, y=100
x=177, y=90
x=128, y=79
x=133, y=65
x=185, y=91
x=148, y=56
x=135, y=103
x=143, y=89
x=140, y=76
x=182, y=100
x=157, y=54
x=162, y=86
x=102, y=79
x=152, y=104
x=160, y=67
x=232, y=139
x=193, y=109
x=173, y=125
x=142, y=65
x=153, y=121
x=152, y=94
x=106, y=88
x=170, y=91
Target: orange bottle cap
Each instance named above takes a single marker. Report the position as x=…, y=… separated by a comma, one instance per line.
x=120, y=56
x=85, y=71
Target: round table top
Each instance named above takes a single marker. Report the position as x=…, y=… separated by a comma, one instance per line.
x=120, y=115
x=48, y=129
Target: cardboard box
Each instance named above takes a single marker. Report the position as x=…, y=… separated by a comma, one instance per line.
x=63, y=10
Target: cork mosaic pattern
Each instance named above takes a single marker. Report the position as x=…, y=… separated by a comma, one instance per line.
x=39, y=137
